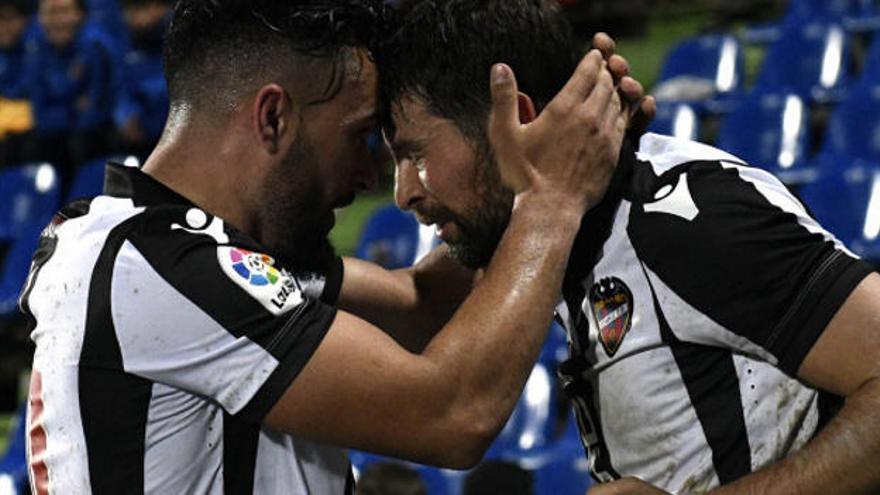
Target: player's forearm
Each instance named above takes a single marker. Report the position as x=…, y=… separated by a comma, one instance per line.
x=411, y=305
x=843, y=458
x=503, y=323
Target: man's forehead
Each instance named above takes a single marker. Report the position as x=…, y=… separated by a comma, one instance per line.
x=410, y=115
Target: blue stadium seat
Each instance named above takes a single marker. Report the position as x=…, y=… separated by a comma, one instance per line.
x=864, y=17
x=438, y=481
x=28, y=198
x=854, y=126
x=707, y=71
x=846, y=201
x=802, y=11
x=558, y=467
x=13, y=463
x=871, y=71
x=770, y=131
x=810, y=59
x=390, y=238
x=566, y=471
x=88, y=181
x=676, y=119
x=854, y=15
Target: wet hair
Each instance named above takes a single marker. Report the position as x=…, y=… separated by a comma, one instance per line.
x=442, y=51
x=214, y=47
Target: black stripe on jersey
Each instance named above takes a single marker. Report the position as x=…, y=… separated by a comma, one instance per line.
x=121, y=181
x=113, y=404
x=817, y=303
x=350, y=483
x=744, y=262
x=296, y=347
x=240, y=441
x=828, y=406
x=712, y=384
x=333, y=283
x=581, y=391
x=188, y=262
x=583, y=398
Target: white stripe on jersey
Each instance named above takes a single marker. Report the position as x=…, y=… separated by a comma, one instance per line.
x=666, y=152
x=311, y=457
x=691, y=325
x=190, y=355
x=60, y=329
x=182, y=436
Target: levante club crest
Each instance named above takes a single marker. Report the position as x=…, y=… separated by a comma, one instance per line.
x=612, y=304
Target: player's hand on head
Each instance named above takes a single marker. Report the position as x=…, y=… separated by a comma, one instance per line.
x=643, y=108
x=626, y=486
x=571, y=149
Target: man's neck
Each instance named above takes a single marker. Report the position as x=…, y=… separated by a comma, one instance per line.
x=200, y=167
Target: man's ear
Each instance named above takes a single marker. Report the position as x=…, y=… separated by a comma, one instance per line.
x=527, y=112
x=271, y=117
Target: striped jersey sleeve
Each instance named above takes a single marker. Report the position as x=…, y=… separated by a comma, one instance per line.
x=735, y=244
x=196, y=311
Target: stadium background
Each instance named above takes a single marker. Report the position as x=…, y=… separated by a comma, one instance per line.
x=784, y=108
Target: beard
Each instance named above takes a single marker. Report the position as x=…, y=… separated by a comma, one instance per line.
x=483, y=226
x=297, y=217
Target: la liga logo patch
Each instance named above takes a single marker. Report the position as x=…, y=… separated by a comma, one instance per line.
x=256, y=273
x=612, y=303
x=256, y=268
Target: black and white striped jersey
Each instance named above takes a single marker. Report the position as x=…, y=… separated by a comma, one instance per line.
x=163, y=337
x=694, y=292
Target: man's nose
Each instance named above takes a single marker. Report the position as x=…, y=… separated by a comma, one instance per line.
x=408, y=189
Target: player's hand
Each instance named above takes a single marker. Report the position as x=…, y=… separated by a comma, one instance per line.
x=626, y=486
x=643, y=108
x=571, y=149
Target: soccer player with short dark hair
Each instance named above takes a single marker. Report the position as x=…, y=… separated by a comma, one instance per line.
x=715, y=327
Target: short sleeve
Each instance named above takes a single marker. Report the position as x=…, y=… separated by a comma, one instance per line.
x=215, y=319
x=739, y=248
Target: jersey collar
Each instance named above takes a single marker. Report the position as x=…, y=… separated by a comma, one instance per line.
x=121, y=181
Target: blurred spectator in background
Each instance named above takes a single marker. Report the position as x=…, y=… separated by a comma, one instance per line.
x=16, y=48
x=72, y=86
x=108, y=15
x=390, y=478
x=142, y=100
x=14, y=20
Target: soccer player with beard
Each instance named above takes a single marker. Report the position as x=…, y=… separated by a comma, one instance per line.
x=715, y=327
x=187, y=338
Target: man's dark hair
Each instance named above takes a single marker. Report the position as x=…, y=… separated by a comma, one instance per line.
x=442, y=51
x=214, y=42
x=21, y=7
